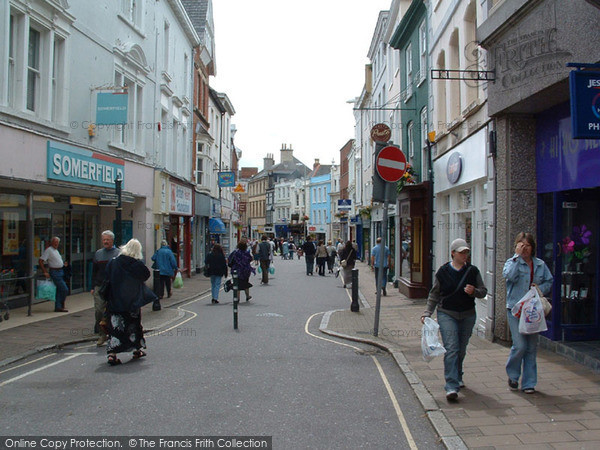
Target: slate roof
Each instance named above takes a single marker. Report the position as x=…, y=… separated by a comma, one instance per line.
x=197, y=11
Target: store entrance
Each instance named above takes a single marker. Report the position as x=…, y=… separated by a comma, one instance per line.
x=570, y=222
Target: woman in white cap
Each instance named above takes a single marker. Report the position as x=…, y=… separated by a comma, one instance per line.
x=456, y=285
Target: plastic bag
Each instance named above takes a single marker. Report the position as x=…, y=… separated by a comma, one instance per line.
x=259, y=270
x=532, y=316
x=271, y=269
x=178, y=283
x=516, y=310
x=430, y=342
x=46, y=290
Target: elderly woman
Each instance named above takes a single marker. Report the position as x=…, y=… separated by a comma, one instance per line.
x=347, y=254
x=456, y=285
x=240, y=261
x=522, y=271
x=128, y=293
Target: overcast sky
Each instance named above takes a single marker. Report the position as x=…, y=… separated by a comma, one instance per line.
x=289, y=67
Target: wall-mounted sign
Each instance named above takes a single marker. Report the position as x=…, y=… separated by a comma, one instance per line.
x=344, y=204
x=585, y=104
x=180, y=200
x=111, y=108
x=454, y=167
x=226, y=179
x=77, y=165
x=240, y=188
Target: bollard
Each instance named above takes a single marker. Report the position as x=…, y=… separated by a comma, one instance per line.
x=156, y=287
x=236, y=299
x=354, y=307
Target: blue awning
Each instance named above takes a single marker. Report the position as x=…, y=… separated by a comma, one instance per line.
x=216, y=225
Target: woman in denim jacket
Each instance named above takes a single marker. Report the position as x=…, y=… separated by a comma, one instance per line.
x=521, y=272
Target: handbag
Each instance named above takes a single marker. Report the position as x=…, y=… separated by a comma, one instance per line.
x=146, y=296
x=206, y=271
x=545, y=303
x=344, y=262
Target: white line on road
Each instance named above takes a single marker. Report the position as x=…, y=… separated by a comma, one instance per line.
x=39, y=369
x=401, y=419
x=27, y=363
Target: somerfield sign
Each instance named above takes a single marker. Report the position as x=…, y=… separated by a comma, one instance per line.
x=77, y=165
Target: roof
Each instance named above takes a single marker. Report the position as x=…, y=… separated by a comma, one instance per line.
x=287, y=169
x=197, y=11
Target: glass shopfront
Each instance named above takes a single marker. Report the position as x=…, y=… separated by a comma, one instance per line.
x=568, y=177
x=13, y=260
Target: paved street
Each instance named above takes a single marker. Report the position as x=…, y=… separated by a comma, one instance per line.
x=277, y=375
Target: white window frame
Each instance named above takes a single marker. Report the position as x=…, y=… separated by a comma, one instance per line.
x=199, y=169
x=410, y=136
x=409, y=71
x=422, y=52
x=33, y=82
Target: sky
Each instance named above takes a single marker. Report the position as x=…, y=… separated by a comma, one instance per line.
x=289, y=67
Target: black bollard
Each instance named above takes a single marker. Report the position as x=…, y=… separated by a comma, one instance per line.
x=156, y=287
x=236, y=299
x=354, y=307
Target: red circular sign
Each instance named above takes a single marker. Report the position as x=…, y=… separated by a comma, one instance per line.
x=381, y=132
x=391, y=164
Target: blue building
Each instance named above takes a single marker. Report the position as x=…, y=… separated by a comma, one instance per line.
x=320, y=205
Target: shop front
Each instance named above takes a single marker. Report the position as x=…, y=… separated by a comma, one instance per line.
x=414, y=262
x=464, y=210
x=179, y=230
x=568, y=186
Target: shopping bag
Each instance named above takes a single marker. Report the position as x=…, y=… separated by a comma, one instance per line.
x=271, y=269
x=178, y=283
x=516, y=310
x=430, y=341
x=532, y=316
x=545, y=302
x=46, y=290
x=259, y=269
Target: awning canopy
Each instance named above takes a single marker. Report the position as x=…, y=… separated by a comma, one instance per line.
x=216, y=225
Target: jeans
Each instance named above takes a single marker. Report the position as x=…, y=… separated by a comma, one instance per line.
x=384, y=279
x=455, y=336
x=264, y=267
x=522, y=354
x=215, y=286
x=58, y=277
x=310, y=263
x=321, y=264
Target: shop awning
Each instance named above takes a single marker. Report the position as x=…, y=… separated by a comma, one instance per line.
x=216, y=225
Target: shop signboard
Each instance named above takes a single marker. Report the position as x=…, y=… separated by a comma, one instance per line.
x=585, y=104
x=344, y=204
x=180, y=200
x=226, y=179
x=77, y=165
x=111, y=108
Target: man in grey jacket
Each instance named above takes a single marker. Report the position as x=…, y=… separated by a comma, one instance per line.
x=101, y=259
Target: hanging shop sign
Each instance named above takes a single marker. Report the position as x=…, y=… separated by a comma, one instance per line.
x=78, y=165
x=226, y=179
x=454, y=167
x=111, y=108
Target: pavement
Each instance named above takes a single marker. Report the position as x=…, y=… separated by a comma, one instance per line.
x=564, y=413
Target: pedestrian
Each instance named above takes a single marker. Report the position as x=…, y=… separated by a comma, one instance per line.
x=167, y=265
x=285, y=250
x=265, y=253
x=375, y=263
x=331, y=254
x=309, y=250
x=321, y=255
x=522, y=271
x=55, y=271
x=127, y=274
x=255, y=255
x=291, y=249
x=99, y=262
x=240, y=261
x=455, y=287
x=217, y=269
x=347, y=260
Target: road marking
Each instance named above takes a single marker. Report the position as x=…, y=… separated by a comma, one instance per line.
x=401, y=419
x=27, y=363
x=39, y=369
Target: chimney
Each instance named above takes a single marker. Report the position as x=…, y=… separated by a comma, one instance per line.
x=286, y=154
x=268, y=162
x=316, y=164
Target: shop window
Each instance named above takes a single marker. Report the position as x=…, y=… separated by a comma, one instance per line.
x=13, y=261
x=417, y=250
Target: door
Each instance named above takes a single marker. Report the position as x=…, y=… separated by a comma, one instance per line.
x=76, y=250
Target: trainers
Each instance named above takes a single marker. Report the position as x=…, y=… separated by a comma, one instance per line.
x=461, y=384
x=529, y=391
x=513, y=385
x=451, y=395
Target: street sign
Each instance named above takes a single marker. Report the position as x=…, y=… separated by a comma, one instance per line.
x=344, y=204
x=111, y=203
x=381, y=132
x=391, y=164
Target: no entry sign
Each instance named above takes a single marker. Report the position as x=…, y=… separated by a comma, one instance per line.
x=391, y=164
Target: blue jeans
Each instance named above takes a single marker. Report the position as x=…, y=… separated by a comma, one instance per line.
x=215, y=286
x=58, y=277
x=522, y=354
x=310, y=263
x=455, y=336
x=385, y=276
